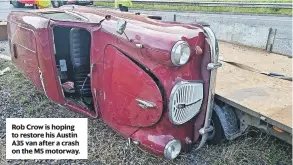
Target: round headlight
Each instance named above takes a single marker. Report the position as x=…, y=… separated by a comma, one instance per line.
x=180, y=53
x=172, y=149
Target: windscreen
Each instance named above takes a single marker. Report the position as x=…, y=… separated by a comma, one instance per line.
x=64, y=16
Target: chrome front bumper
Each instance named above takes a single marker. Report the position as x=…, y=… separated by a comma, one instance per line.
x=213, y=68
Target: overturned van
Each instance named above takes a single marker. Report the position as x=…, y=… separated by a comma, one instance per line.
x=150, y=80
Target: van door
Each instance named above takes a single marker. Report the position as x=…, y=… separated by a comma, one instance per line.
x=32, y=53
x=47, y=65
x=131, y=97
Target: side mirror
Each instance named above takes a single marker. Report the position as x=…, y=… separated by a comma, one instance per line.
x=121, y=26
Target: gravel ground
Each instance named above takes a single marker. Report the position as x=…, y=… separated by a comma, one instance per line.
x=4, y=47
x=19, y=98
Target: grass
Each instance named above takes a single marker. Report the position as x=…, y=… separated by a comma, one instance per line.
x=19, y=98
x=203, y=8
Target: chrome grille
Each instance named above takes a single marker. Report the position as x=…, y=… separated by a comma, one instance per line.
x=185, y=101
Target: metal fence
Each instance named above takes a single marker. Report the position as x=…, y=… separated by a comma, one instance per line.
x=273, y=37
x=215, y=4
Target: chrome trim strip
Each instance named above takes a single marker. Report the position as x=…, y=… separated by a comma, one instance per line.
x=145, y=104
x=42, y=81
x=214, y=60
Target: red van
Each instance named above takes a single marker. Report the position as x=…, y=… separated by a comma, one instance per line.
x=151, y=81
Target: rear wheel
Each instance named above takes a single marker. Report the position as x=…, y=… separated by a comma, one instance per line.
x=217, y=135
x=17, y=4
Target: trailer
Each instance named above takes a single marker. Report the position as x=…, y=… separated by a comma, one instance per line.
x=244, y=98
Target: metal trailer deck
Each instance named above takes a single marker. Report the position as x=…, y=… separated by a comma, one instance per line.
x=266, y=102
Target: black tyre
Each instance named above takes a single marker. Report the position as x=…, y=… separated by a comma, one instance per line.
x=55, y=3
x=217, y=136
x=17, y=4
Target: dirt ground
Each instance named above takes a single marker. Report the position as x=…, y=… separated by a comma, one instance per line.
x=19, y=98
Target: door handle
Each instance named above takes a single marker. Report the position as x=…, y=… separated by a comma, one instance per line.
x=145, y=104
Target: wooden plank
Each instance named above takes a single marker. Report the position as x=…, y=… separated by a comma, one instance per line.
x=270, y=97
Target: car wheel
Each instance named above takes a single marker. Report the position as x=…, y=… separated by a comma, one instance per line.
x=17, y=4
x=217, y=135
x=55, y=3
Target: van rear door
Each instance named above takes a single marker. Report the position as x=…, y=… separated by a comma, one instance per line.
x=23, y=49
x=33, y=52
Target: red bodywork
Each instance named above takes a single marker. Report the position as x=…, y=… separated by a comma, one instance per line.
x=32, y=2
x=121, y=72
